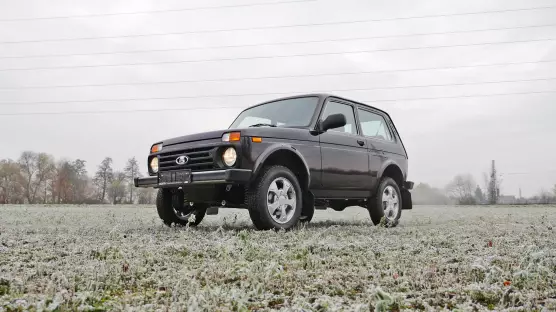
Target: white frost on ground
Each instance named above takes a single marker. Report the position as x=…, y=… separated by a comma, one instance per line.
x=121, y=258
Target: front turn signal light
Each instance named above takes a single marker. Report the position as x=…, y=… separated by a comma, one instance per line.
x=231, y=137
x=156, y=148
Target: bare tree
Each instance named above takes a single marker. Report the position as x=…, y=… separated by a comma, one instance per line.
x=79, y=180
x=62, y=192
x=36, y=169
x=117, y=188
x=103, y=177
x=485, y=183
x=461, y=188
x=28, y=165
x=132, y=171
x=145, y=196
x=494, y=185
x=544, y=197
x=479, y=196
x=11, y=182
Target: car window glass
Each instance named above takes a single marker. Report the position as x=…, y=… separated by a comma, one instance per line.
x=294, y=112
x=339, y=108
x=251, y=120
x=374, y=125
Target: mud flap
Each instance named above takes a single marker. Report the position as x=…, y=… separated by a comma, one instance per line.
x=407, y=202
x=212, y=211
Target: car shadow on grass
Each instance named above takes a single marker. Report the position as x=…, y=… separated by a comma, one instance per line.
x=243, y=225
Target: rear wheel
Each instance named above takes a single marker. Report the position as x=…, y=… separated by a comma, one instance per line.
x=172, y=209
x=275, y=199
x=387, y=203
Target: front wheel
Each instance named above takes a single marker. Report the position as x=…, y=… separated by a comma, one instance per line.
x=386, y=205
x=275, y=199
x=172, y=209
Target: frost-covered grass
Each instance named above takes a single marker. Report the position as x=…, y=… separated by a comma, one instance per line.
x=120, y=258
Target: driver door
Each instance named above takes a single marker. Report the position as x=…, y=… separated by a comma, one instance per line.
x=344, y=154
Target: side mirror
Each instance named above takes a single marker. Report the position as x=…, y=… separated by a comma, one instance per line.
x=333, y=121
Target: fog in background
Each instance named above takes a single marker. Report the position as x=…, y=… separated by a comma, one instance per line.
x=460, y=98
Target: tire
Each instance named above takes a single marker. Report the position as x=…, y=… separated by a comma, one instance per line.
x=260, y=196
x=172, y=210
x=377, y=206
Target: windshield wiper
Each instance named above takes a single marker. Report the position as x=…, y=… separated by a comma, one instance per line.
x=262, y=125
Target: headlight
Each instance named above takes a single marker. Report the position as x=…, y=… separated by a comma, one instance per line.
x=230, y=156
x=154, y=165
x=156, y=148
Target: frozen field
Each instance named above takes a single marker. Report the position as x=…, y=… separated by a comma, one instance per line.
x=115, y=258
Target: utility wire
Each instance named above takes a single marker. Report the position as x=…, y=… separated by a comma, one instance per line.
x=270, y=56
x=528, y=172
x=274, y=93
x=459, y=96
x=230, y=107
x=153, y=11
x=288, y=76
x=276, y=26
x=121, y=111
x=275, y=43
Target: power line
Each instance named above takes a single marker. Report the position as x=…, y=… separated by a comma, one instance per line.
x=270, y=56
x=153, y=11
x=274, y=93
x=120, y=111
x=228, y=107
x=276, y=26
x=287, y=76
x=528, y=172
x=276, y=43
x=460, y=96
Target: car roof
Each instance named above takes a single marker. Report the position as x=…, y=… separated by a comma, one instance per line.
x=322, y=96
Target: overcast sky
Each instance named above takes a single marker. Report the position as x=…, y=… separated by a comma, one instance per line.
x=504, y=111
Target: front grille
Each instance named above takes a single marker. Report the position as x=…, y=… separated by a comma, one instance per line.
x=199, y=159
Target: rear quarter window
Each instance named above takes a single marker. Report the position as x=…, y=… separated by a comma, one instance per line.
x=375, y=126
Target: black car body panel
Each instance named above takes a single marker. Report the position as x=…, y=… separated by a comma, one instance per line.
x=336, y=165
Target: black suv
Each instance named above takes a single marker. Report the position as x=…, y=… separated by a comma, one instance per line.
x=283, y=159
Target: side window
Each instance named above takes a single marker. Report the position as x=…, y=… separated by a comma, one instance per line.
x=339, y=108
x=374, y=126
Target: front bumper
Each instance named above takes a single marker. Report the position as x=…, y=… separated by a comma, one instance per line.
x=408, y=185
x=240, y=176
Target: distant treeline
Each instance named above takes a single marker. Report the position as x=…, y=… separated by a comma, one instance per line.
x=38, y=178
x=461, y=191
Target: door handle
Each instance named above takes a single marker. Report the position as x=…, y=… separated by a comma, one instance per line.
x=360, y=142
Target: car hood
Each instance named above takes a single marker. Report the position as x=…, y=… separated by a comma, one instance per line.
x=211, y=135
x=283, y=133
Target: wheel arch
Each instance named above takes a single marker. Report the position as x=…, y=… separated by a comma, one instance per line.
x=285, y=155
x=393, y=170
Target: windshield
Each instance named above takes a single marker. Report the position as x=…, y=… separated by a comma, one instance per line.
x=284, y=113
